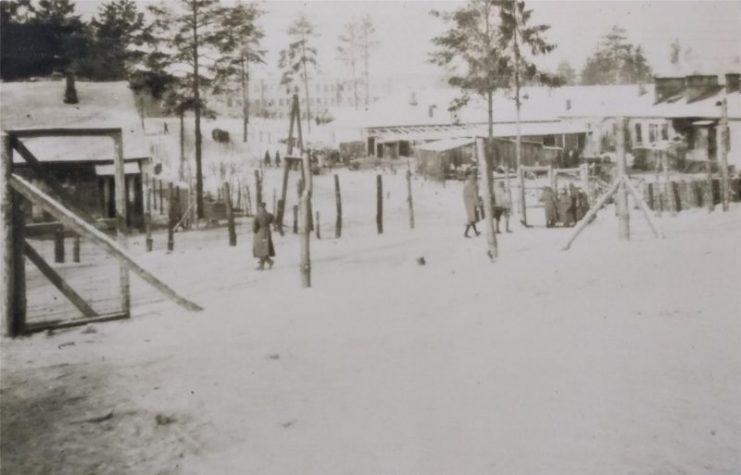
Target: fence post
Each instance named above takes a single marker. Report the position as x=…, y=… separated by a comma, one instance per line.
x=258, y=189
x=486, y=187
x=338, y=200
x=295, y=219
x=318, y=231
x=410, y=200
x=7, y=305
x=379, y=203
x=59, y=244
x=148, y=221
x=119, y=183
x=306, y=232
x=76, y=248
x=230, y=215
x=170, y=218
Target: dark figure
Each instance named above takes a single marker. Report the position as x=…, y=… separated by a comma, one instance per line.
x=471, y=200
x=582, y=206
x=574, y=194
x=277, y=158
x=548, y=197
x=267, y=158
x=262, y=245
x=565, y=212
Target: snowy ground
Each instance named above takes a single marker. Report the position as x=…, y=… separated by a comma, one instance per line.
x=611, y=358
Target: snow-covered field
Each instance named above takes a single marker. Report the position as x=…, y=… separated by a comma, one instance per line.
x=611, y=358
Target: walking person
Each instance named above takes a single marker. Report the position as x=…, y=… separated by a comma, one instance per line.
x=471, y=201
x=502, y=205
x=262, y=244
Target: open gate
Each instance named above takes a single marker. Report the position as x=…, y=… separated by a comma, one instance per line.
x=59, y=295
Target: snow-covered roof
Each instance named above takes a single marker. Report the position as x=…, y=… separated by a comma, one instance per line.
x=101, y=104
x=445, y=144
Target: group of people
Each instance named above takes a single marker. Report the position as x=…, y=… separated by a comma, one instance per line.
x=501, y=205
x=566, y=208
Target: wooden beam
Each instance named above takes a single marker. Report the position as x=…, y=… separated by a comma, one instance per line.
x=59, y=282
x=57, y=324
x=119, y=185
x=69, y=219
x=64, y=132
x=590, y=214
x=7, y=301
x=644, y=208
x=19, y=265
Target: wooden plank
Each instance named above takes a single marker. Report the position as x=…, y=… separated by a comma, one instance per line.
x=55, y=325
x=69, y=219
x=19, y=264
x=6, y=237
x=119, y=185
x=59, y=282
x=64, y=132
x=590, y=214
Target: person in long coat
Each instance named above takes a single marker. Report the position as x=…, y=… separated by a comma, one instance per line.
x=471, y=201
x=262, y=244
x=565, y=205
x=548, y=197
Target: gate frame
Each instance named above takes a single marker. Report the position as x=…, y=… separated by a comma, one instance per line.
x=13, y=246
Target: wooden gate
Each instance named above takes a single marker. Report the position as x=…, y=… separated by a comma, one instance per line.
x=16, y=192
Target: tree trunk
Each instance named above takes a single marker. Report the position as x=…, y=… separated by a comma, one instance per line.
x=622, y=192
x=306, y=231
x=306, y=89
x=181, y=169
x=197, y=109
x=245, y=99
x=486, y=186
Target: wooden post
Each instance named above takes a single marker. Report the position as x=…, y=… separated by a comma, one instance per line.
x=318, y=231
x=410, y=201
x=379, y=203
x=171, y=220
x=275, y=204
x=584, y=178
x=19, y=264
x=306, y=231
x=552, y=178
x=258, y=189
x=59, y=244
x=487, y=190
x=295, y=219
x=7, y=295
x=153, y=189
x=76, y=248
x=283, y=192
x=230, y=215
x=119, y=181
x=148, y=221
x=622, y=192
x=523, y=198
x=162, y=192
x=709, y=199
x=643, y=207
x=722, y=151
x=668, y=188
x=591, y=214
x=338, y=200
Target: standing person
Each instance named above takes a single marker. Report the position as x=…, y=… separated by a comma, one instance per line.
x=548, y=197
x=262, y=244
x=471, y=200
x=574, y=194
x=502, y=205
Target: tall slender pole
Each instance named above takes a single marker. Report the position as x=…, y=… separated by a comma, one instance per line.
x=668, y=187
x=410, y=200
x=486, y=185
x=518, y=105
x=723, y=155
x=306, y=231
x=121, y=218
x=379, y=204
x=7, y=295
x=622, y=192
x=338, y=200
x=230, y=215
x=148, y=221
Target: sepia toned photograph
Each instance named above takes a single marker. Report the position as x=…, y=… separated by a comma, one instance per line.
x=399, y=237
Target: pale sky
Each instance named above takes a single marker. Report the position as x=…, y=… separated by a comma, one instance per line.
x=404, y=28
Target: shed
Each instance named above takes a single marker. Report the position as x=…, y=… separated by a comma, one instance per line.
x=83, y=165
x=437, y=159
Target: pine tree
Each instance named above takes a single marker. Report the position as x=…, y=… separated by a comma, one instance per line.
x=117, y=30
x=616, y=61
x=296, y=58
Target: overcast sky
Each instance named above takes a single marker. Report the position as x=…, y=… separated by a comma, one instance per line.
x=404, y=29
